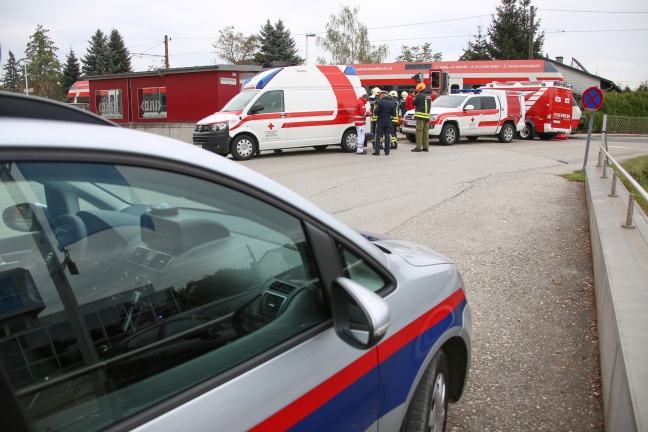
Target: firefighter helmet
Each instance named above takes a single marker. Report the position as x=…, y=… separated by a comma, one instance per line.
x=393, y=93
x=420, y=87
x=404, y=94
x=375, y=91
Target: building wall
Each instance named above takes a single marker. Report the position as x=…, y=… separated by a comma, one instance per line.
x=579, y=81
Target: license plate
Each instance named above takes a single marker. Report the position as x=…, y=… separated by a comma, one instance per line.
x=411, y=123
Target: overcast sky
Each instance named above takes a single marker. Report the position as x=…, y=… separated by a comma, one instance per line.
x=607, y=38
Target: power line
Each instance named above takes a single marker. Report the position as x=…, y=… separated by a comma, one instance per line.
x=603, y=12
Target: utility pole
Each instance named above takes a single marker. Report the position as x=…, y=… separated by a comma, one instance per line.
x=166, y=52
x=531, y=35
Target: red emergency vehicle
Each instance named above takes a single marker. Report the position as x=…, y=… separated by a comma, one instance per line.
x=79, y=94
x=550, y=107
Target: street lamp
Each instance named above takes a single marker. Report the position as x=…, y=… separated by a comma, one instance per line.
x=307, y=36
x=26, y=83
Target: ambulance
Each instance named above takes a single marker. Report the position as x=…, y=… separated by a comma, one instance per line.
x=289, y=107
x=472, y=113
x=550, y=107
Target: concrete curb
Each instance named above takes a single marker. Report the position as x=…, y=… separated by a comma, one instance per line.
x=620, y=267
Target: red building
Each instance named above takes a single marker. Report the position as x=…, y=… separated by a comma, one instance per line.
x=181, y=95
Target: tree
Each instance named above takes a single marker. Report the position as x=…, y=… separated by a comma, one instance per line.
x=347, y=40
x=43, y=66
x=418, y=54
x=477, y=48
x=97, y=60
x=276, y=44
x=12, y=77
x=509, y=32
x=119, y=55
x=71, y=72
x=235, y=48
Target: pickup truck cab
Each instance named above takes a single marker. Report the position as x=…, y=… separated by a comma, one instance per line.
x=472, y=114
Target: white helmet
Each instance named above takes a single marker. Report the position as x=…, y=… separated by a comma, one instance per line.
x=404, y=94
x=393, y=93
x=375, y=91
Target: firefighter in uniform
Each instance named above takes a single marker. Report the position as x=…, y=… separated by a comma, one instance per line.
x=393, y=95
x=422, y=102
x=375, y=95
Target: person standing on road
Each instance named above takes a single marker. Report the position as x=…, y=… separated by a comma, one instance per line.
x=422, y=102
x=360, y=117
x=384, y=111
x=393, y=96
x=375, y=95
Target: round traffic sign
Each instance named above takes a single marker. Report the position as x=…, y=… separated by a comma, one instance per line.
x=592, y=99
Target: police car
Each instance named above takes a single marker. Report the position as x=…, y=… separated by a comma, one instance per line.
x=147, y=284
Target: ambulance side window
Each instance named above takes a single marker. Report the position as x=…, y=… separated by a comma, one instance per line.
x=488, y=102
x=475, y=102
x=273, y=101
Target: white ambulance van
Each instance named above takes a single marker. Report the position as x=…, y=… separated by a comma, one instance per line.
x=297, y=106
x=550, y=107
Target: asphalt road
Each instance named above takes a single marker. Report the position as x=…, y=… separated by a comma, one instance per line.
x=520, y=236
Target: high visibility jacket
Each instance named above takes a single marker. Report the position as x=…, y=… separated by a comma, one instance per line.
x=374, y=115
x=422, y=103
x=396, y=115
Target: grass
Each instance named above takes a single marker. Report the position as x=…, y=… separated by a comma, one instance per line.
x=637, y=168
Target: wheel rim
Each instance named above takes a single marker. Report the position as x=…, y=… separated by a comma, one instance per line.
x=352, y=141
x=450, y=135
x=524, y=133
x=244, y=147
x=508, y=133
x=438, y=409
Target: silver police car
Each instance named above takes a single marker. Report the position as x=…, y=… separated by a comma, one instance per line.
x=149, y=285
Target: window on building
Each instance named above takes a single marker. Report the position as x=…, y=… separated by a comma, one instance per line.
x=109, y=103
x=151, y=102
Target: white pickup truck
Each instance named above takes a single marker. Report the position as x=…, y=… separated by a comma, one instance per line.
x=472, y=114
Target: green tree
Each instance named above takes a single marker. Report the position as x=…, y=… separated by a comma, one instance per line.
x=477, y=48
x=12, y=79
x=120, y=57
x=418, y=54
x=276, y=44
x=509, y=32
x=97, y=60
x=71, y=72
x=234, y=47
x=347, y=40
x=43, y=66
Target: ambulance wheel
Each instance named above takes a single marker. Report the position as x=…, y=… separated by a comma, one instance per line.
x=349, y=141
x=449, y=134
x=526, y=133
x=506, y=134
x=472, y=138
x=320, y=147
x=243, y=147
x=428, y=410
x=410, y=137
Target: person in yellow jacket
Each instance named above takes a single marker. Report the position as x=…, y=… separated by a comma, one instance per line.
x=393, y=141
x=373, y=99
x=422, y=102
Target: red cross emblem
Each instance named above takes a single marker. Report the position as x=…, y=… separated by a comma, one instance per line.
x=472, y=119
x=270, y=126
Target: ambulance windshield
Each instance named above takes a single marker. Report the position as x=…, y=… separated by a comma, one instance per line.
x=240, y=101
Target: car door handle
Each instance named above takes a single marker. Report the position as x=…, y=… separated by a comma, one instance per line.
x=282, y=115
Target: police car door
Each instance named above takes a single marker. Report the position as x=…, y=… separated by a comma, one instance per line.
x=269, y=124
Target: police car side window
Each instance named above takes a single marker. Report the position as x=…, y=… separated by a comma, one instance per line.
x=488, y=102
x=147, y=302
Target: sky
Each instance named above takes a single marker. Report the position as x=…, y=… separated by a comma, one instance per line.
x=607, y=38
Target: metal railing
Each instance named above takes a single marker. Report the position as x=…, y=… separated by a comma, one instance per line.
x=622, y=127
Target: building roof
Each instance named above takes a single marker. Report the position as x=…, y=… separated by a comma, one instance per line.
x=606, y=84
x=233, y=68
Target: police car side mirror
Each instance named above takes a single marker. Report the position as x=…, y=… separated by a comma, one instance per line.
x=360, y=316
x=256, y=108
x=469, y=107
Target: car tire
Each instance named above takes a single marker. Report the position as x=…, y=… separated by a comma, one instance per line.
x=349, y=141
x=449, y=134
x=410, y=137
x=243, y=147
x=320, y=147
x=472, y=138
x=507, y=133
x=428, y=409
x=526, y=133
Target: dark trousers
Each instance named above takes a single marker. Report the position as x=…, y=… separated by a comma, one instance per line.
x=383, y=129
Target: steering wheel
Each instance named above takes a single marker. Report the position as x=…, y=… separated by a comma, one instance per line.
x=71, y=234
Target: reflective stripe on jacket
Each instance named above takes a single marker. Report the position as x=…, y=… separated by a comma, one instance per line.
x=396, y=115
x=422, y=103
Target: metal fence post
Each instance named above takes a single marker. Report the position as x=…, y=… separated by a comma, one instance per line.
x=631, y=201
x=605, y=165
x=614, y=182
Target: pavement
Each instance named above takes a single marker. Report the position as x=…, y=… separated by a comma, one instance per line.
x=520, y=236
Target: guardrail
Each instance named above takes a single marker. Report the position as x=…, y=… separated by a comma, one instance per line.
x=605, y=158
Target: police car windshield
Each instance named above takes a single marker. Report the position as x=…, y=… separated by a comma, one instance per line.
x=449, y=101
x=240, y=101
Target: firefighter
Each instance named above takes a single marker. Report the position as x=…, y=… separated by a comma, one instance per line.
x=422, y=102
x=375, y=95
x=393, y=141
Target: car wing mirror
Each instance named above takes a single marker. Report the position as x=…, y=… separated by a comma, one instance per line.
x=256, y=108
x=360, y=316
x=469, y=107
x=21, y=217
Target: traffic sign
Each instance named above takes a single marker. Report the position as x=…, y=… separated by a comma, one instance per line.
x=592, y=99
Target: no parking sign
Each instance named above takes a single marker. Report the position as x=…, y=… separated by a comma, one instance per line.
x=592, y=99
